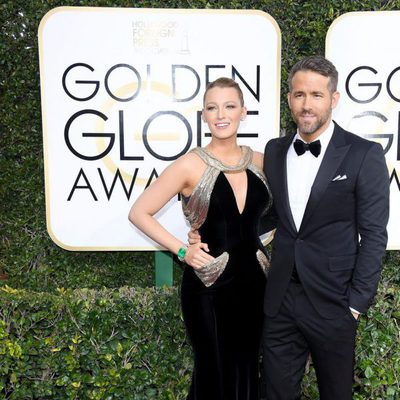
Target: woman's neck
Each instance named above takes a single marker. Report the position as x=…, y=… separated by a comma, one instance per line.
x=228, y=153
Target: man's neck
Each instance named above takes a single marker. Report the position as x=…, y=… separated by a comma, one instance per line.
x=308, y=138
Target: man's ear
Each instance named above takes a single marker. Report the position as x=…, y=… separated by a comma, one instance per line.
x=288, y=99
x=335, y=99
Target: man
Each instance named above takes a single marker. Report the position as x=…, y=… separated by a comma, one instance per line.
x=331, y=198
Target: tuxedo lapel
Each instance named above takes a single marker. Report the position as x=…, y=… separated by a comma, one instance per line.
x=282, y=178
x=334, y=155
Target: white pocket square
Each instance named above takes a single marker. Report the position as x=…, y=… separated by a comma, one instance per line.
x=339, y=178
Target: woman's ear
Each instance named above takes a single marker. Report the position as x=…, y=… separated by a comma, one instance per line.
x=244, y=114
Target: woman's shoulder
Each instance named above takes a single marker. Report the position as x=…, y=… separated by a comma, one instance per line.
x=258, y=159
x=192, y=167
x=189, y=160
x=189, y=167
x=192, y=159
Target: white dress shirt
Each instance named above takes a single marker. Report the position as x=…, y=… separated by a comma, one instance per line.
x=301, y=172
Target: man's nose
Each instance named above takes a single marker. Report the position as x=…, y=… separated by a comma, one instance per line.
x=306, y=103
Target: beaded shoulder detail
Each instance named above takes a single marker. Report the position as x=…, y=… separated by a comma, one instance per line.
x=260, y=174
x=212, y=161
x=195, y=207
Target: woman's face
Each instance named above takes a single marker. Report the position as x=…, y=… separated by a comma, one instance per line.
x=223, y=112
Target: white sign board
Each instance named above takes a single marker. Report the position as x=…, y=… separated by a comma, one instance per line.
x=365, y=48
x=121, y=99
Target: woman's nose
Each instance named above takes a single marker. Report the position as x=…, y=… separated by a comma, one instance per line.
x=221, y=113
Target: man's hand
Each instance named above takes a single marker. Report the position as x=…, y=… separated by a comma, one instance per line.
x=194, y=237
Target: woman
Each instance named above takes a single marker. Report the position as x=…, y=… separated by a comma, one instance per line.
x=224, y=193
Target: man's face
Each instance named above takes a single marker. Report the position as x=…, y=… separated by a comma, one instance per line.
x=311, y=103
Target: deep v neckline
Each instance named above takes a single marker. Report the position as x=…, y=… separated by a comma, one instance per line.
x=233, y=192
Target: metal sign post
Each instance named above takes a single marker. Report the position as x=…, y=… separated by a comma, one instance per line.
x=163, y=268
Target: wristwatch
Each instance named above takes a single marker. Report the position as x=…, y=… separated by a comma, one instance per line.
x=181, y=253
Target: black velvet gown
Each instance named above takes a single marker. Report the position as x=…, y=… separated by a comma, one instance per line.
x=224, y=321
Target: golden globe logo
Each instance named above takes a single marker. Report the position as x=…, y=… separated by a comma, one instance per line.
x=182, y=129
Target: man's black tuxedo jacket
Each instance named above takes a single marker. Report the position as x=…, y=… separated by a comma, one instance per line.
x=339, y=247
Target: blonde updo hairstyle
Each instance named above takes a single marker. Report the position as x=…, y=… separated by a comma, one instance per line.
x=224, y=82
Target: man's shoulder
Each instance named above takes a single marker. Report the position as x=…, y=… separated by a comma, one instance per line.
x=279, y=140
x=353, y=139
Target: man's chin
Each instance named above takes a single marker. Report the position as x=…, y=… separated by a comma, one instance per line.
x=307, y=129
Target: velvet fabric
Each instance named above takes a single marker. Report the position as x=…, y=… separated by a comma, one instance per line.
x=224, y=321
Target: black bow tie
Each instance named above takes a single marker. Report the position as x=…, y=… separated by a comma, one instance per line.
x=301, y=147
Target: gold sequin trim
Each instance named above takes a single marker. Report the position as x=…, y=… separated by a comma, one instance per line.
x=263, y=261
x=195, y=208
x=260, y=174
x=211, y=271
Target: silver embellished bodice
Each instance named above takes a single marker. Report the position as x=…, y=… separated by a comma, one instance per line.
x=195, y=207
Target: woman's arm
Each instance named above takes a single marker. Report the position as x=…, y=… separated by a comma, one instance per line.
x=176, y=178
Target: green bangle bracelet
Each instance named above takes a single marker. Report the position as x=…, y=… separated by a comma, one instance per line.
x=181, y=253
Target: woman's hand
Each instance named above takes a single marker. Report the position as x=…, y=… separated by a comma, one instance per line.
x=197, y=255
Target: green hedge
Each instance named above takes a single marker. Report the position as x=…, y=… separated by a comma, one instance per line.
x=87, y=344
x=130, y=344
